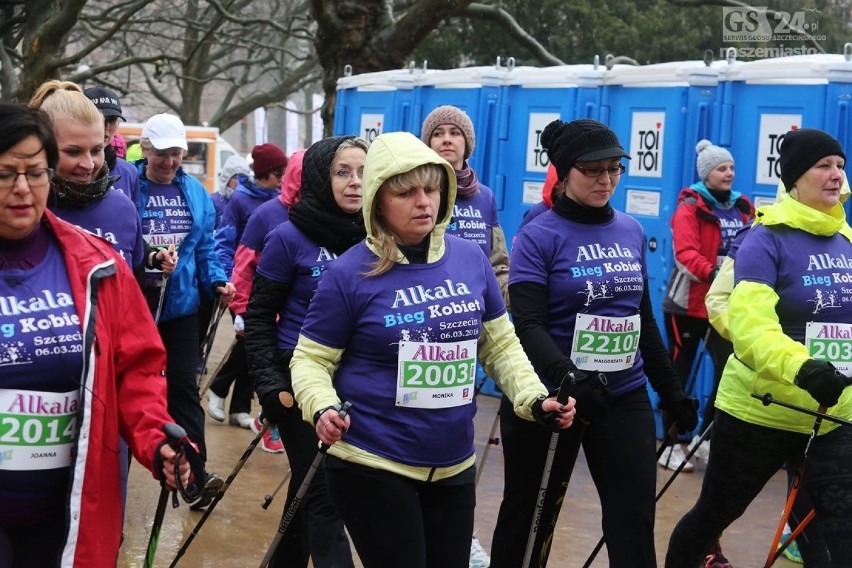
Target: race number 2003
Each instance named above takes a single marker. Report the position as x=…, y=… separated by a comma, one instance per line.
x=436, y=375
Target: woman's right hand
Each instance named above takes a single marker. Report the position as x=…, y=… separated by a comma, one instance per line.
x=331, y=427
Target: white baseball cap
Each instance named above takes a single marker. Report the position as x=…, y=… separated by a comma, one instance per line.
x=165, y=131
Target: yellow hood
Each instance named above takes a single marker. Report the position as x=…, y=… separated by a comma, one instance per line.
x=395, y=153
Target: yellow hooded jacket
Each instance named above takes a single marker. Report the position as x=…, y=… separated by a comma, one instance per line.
x=767, y=360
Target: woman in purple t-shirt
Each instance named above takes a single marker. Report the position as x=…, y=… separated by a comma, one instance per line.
x=395, y=328
x=580, y=302
x=790, y=321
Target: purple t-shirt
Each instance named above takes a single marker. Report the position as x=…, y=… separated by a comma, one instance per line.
x=166, y=219
x=265, y=218
x=473, y=218
x=41, y=362
x=812, y=275
x=291, y=258
x=730, y=223
x=424, y=314
x=128, y=180
x=114, y=218
x=597, y=270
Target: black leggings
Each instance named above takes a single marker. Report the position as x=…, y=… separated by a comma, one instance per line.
x=619, y=449
x=743, y=459
x=396, y=521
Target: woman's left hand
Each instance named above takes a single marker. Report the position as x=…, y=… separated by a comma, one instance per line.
x=563, y=414
x=226, y=293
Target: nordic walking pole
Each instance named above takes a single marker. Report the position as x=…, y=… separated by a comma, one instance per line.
x=267, y=499
x=210, y=337
x=174, y=434
x=221, y=493
x=767, y=399
x=221, y=364
x=793, y=536
x=163, y=283
x=300, y=494
x=562, y=396
x=491, y=441
x=794, y=488
x=670, y=436
x=696, y=365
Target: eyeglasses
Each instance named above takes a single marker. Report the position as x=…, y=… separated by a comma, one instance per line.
x=277, y=173
x=613, y=171
x=347, y=174
x=38, y=177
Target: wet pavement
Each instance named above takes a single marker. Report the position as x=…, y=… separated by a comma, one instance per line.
x=239, y=531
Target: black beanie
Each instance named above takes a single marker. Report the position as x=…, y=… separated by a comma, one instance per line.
x=803, y=148
x=582, y=140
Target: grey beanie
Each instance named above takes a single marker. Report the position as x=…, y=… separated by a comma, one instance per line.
x=448, y=114
x=710, y=156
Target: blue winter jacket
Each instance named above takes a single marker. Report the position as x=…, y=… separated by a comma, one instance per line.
x=197, y=262
x=247, y=197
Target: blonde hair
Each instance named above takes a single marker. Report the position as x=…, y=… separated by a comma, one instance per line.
x=65, y=99
x=358, y=143
x=426, y=175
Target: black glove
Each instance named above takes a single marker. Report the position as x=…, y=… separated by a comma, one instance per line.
x=273, y=410
x=588, y=392
x=684, y=410
x=822, y=381
x=546, y=419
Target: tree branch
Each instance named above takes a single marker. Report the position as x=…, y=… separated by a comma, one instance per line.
x=505, y=20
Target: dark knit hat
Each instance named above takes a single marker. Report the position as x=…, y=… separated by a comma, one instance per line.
x=267, y=157
x=801, y=149
x=449, y=115
x=582, y=140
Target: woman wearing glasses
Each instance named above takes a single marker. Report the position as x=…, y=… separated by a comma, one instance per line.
x=80, y=365
x=580, y=302
x=324, y=223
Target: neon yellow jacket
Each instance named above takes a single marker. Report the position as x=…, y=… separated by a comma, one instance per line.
x=766, y=360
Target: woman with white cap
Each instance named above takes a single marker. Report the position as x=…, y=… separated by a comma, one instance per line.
x=176, y=211
x=790, y=275
x=708, y=216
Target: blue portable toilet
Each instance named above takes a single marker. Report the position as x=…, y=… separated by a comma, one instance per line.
x=475, y=90
x=371, y=103
x=660, y=112
x=762, y=100
x=531, y=98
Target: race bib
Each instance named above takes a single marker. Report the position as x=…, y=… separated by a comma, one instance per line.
x=604, y=343
x=37, y=429
x=435, y=375
x=831, y=342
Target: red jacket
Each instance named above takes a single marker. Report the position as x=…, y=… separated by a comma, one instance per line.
x=696, y=236
x=123, y=392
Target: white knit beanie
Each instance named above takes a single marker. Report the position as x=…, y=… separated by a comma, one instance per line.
x=710, y=156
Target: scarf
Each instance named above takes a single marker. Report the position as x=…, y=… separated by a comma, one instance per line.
x=566, y=207
x=468, y=185
x=70, y=195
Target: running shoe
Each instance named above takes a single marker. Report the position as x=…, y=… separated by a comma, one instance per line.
x=215, y=406
x=212, y=485
x=673, y=457
x=478, y=557
x=791, y=553
x=271, y=441
x=716, y=559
